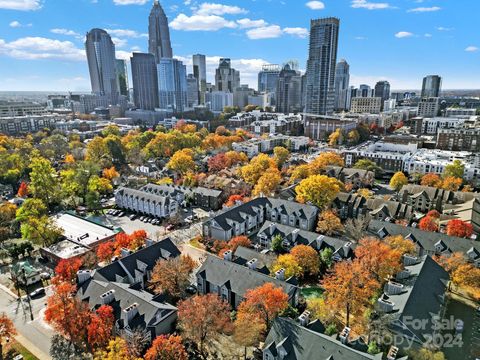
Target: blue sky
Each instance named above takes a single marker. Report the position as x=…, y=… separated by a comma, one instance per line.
x=41, y=41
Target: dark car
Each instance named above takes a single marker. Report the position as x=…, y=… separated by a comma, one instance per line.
x=192, y=289
x=38, y=292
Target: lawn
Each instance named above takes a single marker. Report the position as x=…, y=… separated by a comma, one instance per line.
x=15, y=348
x=195, y=242
x=312, y=292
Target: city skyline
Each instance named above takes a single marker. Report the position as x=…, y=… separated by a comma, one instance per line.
x=398, y=41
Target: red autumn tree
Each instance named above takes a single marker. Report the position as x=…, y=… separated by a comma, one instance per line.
x=100, y=329
x=218, y=162
x=167, y=348
x=428, y=223
x=7, y=331
x=266, y=301
x=203, y=317
x=433, y=214
x=234, y=243
x=137, y=239
x=378, y=258
x=66, y=270
x=122, y=240
x=459, y=228
x=105, y=251
x=23, y=190
x=232, y=200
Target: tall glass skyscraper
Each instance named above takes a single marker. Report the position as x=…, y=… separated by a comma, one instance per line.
x=226, y=77
x=267, y=78
x=322, y=59
x=158, y=33
x=289, y=91
x=342, y=82
x=172, y=85
x=145, y=81
x=431, y=87
x=121, y=69
x=200, y=73
x=101, y=62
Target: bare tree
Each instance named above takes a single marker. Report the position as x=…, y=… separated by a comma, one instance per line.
x=355, y=228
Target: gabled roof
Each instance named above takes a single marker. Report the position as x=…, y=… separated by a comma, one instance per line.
x=142, y=195
x=240, y=278
x=243, y=255
x=391, y=208
x=304, y=344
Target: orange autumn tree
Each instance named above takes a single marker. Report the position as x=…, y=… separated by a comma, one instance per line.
x=166, y=348
x=452, y=183
x=248, y=330
x=130, y=242
x=378, y=258
x=203, y=317
x=234, y=243
x=467, y=276
x=232, y=200
x=428, y=223
x=172, y=276
x=459, y=228
x=398, y=242
x=452, y=262
x=110, y=173
x=7, y=331
x=431, y=179
x=329, y=223
x=307, y=258
x=266, y=302
x=105, y=251
x=100, y=329
x=23, y=190
x=66, y=270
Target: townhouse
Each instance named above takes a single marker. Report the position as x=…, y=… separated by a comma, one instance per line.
x=357, y=177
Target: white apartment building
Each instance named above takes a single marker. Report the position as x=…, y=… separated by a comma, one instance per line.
x=428, y=107
x=369, y=105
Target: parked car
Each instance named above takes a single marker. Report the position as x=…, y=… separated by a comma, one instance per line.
x=192, y=289
x=121, y=213
x=37, y=292
x=45, y=276
x=18, y=357
x=132, y=217
x=141, y=218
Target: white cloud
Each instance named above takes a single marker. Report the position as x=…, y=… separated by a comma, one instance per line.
x=403, y=34
x=218, y=9
x=201, y=23
x=15, y=24
x=119, y=42
x=64, y=32
x=33, y=48
x=472, y=49
x=247, y=23
x=296, y=31
x=265, y=32
x=22, y=5
x=360, y=38
x=364, y=4
x=124, y=55
x=315, y=5
x=125, y=33
x=425, y=9
x=130, y=2
x=428, y=35
x=441, y=28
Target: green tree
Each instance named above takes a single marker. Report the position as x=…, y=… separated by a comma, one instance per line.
x=44, y=183
x=456, y=169
x=277, y=243
x=369, y=165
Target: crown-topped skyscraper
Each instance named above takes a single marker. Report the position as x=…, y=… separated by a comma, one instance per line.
x=158, y=33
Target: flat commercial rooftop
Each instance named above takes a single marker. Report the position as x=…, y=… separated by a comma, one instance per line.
x=80, y=230
x=66, y=249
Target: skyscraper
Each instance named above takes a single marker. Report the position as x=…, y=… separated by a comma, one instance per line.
x=101, y=62
x=364, y=90
x=431, y=87
x=145, y=81
x=382, y=90
x=342, y=82
x=226, y=78
x=158, y=33
x=267, y=78
x=322, y=59
x=121, y=69
x=172, y=85
x=289, y=91
x=200, y=73
x=192, y=91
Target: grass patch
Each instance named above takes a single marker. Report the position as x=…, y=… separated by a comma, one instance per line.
x=15, y=348
x=195, y=242
x=311, y=292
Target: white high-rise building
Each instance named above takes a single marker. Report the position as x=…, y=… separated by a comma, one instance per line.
x=342, y=82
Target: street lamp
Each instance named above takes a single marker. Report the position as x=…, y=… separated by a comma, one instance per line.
x=28, y=295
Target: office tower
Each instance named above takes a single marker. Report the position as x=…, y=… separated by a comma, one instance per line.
x=226, y=78
x=322, y=59
x=267, y=78
x=101, y=62
x=428, y=107
x=240, y=96
x=342, y=82
x=431, y=87
x=289, y=91
x=218, y=100
x=365, y=91
x=192, y=91
x=121, y=69
x=145, y=81
x=158, y=33
x=200, y=73
x=172, y=85
x=382, y=90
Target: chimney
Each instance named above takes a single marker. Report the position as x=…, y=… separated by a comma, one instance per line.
x=409, y=260
x=83, y=275
x=294, y=235
x=304, y=318
x=393, y=288
x=404, y=274
x=148, y=242
x=346, y=248
x=392, y=353
x=385, y=304
x=227, y=255
x=272, y=227
x=344, y=335
x=252, y=264
x=280, y=274
x=130, y=312
x=124, y=252
x=108, y=297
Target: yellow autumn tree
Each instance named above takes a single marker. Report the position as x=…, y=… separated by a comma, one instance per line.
x=319, y=190
x=268, y=182
x=182, y=162
x=398, y=180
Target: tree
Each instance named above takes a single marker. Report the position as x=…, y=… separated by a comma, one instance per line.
x=459, y=228
x=137, y=343
x=7, y=216
x=378, y=258
x=353, y=137
x=426, y=354
x=23, y=190
x=256, y=168
x=329, y=223
x=277, y=244
x=61, y=349
x=105, y=251
x=398, y=242
x=428, y=223
x=300, y=172
x=43, y=181
x=325, y=159
x=100, y=329
x=182, y=161
x=336, y=137
x=433, y=214
x=348, y=288
x=431, y=179
x=268, y=182
x=66, y=270
x=167, y=348
x=233, y=199
x=467, y=276
x=355, y=228
x=452, y=262
x=7, y=331
x=172, y=276
x=369, y=165
x=288, y=263
x=456, y=169
x=319, y=190
x=248, y=330
x=116, y=349
x=326, y=259
x=237, y=241
x=266, y=302
x=203, y=317
x=451, y=183
x=398, y=180
x=217, y=163
x=307, y=258
x=110, y=173
x=281, y=155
